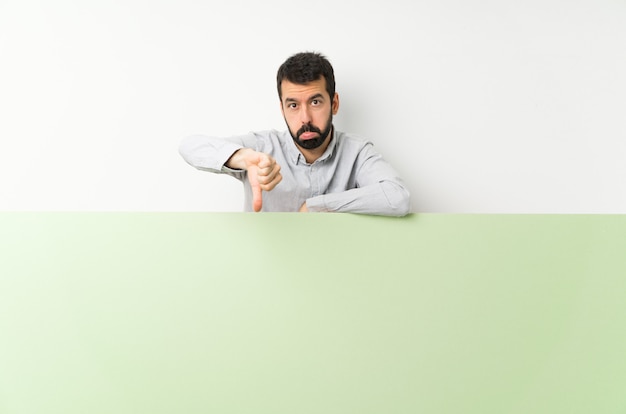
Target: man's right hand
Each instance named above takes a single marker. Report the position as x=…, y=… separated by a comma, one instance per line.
x=263, y=172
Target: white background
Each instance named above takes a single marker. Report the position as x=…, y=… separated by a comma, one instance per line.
x=482, y=106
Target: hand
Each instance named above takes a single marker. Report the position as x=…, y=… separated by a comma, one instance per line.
x=263, y=172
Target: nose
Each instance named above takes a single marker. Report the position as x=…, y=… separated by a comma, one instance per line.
x=305, y=115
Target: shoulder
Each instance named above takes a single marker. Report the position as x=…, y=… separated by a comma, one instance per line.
x=269, y=134
x=350, y=142
x=263, y=141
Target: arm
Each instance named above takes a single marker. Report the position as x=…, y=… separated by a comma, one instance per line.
x=236, y=157
x=387, y=198
x=378, y=191
x=208, y=153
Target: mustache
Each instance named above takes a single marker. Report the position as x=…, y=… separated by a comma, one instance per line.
x=308, y=128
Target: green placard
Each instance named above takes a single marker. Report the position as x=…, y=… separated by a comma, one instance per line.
x=311, y=313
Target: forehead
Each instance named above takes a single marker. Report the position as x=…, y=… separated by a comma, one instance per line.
x=303, y=91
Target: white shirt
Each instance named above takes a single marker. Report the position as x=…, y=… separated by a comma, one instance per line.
x=349, y=177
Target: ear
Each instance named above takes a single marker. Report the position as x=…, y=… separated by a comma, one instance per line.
x=282, y=110
x=335, y=103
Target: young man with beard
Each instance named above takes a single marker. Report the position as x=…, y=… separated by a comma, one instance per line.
x=311, y=166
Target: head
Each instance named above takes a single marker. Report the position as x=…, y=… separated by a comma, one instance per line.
x=306, y=88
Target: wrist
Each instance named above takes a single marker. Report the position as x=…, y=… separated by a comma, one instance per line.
x=237, y=161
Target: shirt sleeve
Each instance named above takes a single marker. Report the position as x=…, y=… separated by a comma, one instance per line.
x=211, y=153
x=379, y=190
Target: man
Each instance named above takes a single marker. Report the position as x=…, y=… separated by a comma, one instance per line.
x=310, y=167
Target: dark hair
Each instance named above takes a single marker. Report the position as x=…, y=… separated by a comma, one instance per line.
x=306, y=67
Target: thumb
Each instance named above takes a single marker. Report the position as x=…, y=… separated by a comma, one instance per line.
x=257, y=195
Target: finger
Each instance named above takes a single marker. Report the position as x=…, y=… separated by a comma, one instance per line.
x=270, y=185
x=266, y=162
x=257, y=194
x=257, y=200
x=266, y=177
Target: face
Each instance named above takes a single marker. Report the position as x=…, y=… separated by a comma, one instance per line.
x=308, y=111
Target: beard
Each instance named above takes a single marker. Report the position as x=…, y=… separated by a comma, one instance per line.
x=312, y=143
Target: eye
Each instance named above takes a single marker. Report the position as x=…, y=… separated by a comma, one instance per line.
x=292, y=105
x=316, y=102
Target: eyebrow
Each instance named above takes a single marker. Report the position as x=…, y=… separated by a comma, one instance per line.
x=316, y=96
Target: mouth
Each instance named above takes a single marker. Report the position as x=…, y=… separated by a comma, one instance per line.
x=308, y=135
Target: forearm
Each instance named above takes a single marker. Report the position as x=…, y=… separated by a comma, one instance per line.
x=387, y=198
x=207, y=153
